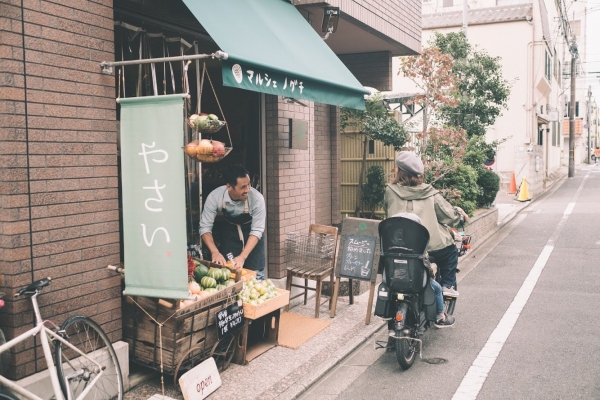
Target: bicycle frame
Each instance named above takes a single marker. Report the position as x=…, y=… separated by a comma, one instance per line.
x=45, y=333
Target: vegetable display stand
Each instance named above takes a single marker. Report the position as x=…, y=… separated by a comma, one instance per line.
x=188, y=335
x=261, y=330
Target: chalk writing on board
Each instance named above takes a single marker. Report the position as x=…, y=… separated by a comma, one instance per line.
x=230, y=319
x=358, y=253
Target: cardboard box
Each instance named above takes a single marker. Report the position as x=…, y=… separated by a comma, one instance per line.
x=255, y=312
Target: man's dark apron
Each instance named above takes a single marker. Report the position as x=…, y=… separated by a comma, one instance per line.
x=234, y=232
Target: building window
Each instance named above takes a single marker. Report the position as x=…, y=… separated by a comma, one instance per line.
x=548, y=69
x=559, y=74
x=576, y=109
x=540, y=140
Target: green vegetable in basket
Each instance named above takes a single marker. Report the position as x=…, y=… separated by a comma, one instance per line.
x=208, y=282
x=215, y=273
x=200, y=272
x=202, y=122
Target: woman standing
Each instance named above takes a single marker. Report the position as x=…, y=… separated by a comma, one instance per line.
x=408, y=193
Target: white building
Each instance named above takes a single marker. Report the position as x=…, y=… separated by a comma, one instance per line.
x=525, y=36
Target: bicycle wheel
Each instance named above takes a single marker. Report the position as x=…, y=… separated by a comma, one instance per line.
x=76, y=373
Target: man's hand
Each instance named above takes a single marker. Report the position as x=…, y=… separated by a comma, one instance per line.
x=218, y=259
x=238, y=262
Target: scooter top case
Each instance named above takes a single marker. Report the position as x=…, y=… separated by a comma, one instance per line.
x=403, y=243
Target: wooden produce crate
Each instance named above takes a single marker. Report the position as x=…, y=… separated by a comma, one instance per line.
x=257, y=311
x=257, y=336
x=192, y=326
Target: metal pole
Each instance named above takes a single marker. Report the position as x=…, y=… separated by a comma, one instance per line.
x=107, y=66
x=589, y=128
x=572, y=116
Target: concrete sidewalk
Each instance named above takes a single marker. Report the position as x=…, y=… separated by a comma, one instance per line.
x=283, y=373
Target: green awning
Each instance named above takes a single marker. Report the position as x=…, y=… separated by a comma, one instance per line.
x=272, y=49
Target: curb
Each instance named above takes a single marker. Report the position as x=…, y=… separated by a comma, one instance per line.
x=320, y=370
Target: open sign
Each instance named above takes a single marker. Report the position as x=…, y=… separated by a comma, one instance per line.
x=200, y=381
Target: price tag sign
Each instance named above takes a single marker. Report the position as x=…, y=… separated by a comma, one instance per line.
x=230, y=319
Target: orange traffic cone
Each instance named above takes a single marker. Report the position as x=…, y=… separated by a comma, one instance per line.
x=523, y=194
x=513, y=185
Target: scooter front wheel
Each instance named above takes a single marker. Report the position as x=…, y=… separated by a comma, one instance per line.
x=406, y=350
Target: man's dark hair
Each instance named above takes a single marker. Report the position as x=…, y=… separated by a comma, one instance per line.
x=234, y=172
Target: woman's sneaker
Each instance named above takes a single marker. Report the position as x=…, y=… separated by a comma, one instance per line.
x=450, y=291
x=444, y=322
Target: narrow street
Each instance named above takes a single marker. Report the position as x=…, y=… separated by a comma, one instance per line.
x=526, y=325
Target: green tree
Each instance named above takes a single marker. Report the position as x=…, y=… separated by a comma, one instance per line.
x=372, y=123
x=373, y=191
x=482, y=91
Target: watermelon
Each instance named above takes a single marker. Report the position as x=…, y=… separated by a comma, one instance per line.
x=212, y=290
x=230, y=282
x=220, y=287
x=208, y=282
x=200, y=272
x=215, y=273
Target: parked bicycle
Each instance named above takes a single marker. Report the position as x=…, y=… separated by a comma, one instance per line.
x=86, y=363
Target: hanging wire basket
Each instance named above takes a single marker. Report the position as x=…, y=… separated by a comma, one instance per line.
x=207, y=124
x=212, y=158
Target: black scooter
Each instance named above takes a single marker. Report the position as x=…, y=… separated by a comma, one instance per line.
x=405, y=298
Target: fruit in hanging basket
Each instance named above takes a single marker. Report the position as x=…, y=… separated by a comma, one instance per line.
x=202, y=122
x=213, y=117
x=218, y=148
x=191, y=120
x=205, y=147
x=191, y=149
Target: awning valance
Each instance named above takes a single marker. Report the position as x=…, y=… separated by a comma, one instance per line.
x=272, y=49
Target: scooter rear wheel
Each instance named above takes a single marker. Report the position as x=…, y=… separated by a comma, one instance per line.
x=406, y=351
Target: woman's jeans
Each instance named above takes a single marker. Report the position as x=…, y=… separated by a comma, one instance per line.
x=446, y=260
x=439, y=300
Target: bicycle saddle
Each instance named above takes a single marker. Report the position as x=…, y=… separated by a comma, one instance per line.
x=34, y=287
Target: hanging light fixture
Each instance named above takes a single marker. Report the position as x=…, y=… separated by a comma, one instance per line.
x=331, y=16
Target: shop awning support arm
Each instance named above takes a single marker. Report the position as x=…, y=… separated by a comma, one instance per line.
x=107, y=66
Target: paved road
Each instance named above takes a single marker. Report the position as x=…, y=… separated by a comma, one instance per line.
x=527, y=320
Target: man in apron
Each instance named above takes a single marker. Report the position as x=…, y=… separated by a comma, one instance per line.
x=241, y=223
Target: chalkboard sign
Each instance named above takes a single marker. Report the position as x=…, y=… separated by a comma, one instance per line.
x=230, y=319
x=357, y=257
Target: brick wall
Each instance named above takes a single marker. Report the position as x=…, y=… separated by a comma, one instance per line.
x=58, y=150
x=371, y=69
x=290, y=179
x=323, y=184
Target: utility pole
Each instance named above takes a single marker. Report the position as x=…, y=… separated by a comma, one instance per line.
x=570, y=37
x=465, y=17
x=589, y=128
x=572, y=111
